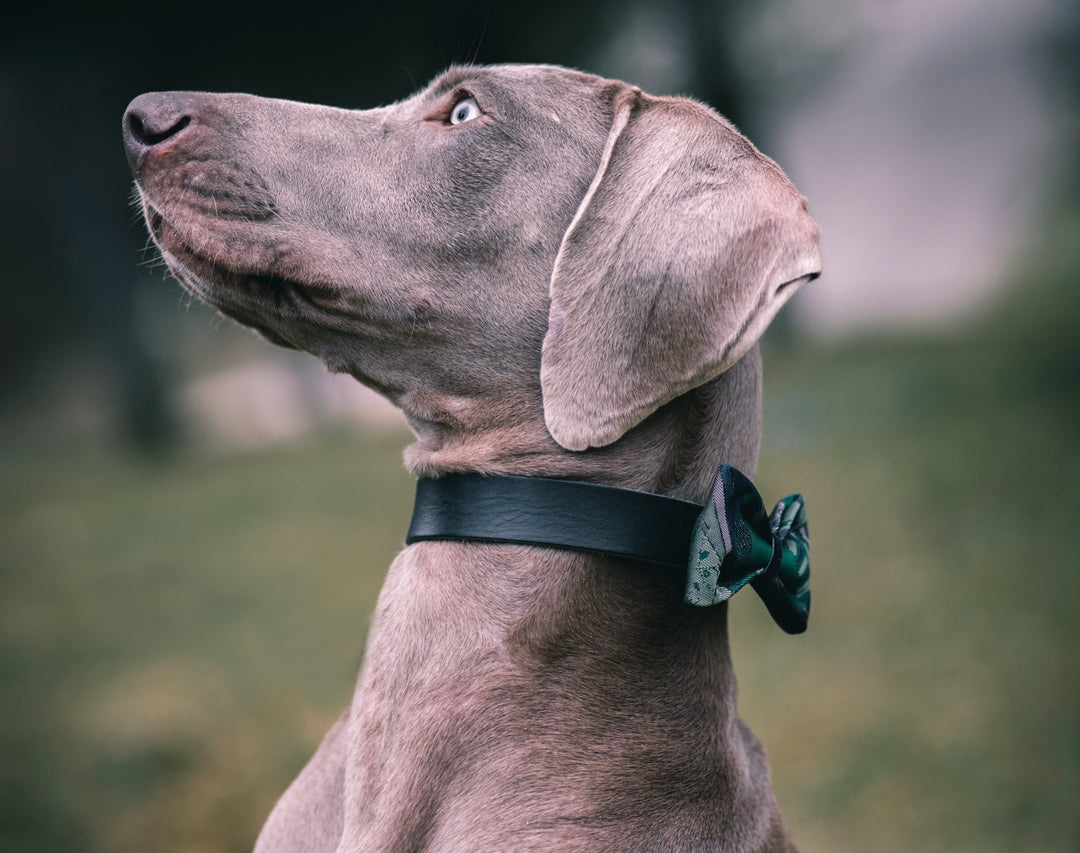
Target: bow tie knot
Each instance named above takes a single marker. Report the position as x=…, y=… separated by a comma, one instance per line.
x=736, y=542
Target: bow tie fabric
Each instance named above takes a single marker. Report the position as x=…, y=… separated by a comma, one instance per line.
x=735, y=542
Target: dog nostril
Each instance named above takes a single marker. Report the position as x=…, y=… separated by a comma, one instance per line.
x=150, y=130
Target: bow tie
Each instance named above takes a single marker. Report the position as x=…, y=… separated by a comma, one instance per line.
x=730, y=541
x=735, y=543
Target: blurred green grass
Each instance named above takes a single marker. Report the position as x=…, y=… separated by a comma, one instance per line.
x=175, y=638
x=933, y=705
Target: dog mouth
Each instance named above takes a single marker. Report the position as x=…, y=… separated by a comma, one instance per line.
x=235, y=277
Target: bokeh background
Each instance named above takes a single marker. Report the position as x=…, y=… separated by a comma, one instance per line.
x=194, y=525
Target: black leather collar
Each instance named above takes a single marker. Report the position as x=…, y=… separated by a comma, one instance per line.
x=554, y=513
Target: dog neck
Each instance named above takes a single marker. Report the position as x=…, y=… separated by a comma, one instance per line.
x=676, y=451
x=518, y=662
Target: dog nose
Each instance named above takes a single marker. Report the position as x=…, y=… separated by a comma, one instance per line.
x=153, y=119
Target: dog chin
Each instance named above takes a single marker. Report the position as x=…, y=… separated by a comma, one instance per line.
x=216, y=295
x=239, y=296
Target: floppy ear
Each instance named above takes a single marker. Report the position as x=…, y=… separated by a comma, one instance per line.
x=687, y=243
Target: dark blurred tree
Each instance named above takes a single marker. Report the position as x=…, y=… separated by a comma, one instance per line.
x=70, y=266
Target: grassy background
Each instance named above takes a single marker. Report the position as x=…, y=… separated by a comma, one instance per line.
x=174, y=639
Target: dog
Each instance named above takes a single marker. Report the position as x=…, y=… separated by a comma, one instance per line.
x=553, y=275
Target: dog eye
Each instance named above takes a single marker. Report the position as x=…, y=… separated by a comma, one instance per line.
x=464, y=110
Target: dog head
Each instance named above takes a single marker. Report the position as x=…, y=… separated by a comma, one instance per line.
x=511, y=242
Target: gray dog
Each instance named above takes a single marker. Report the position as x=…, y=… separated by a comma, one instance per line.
x=552, y=275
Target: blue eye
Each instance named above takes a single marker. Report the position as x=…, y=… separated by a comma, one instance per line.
x=464, y=110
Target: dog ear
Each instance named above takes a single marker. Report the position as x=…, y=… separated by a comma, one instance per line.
x=685, y=246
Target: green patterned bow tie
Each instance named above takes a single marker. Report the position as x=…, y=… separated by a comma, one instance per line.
x=735, y=542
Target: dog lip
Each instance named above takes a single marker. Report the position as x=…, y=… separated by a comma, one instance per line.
x=214, y=190
x=223, y=273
